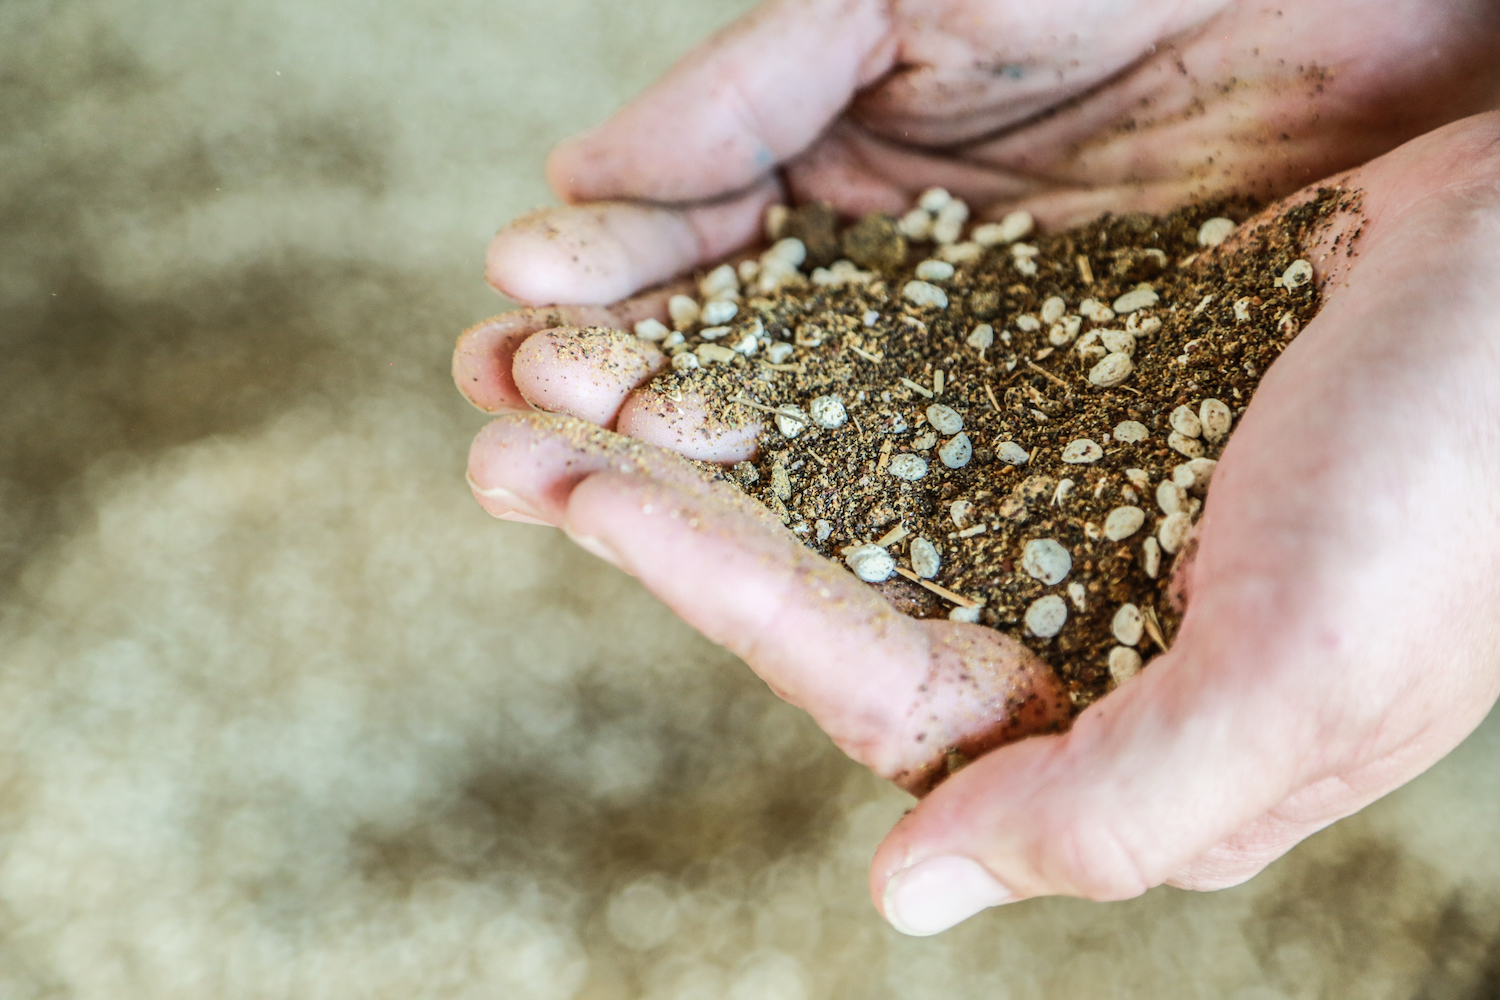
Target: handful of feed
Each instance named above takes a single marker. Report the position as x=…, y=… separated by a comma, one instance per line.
x=994, y=426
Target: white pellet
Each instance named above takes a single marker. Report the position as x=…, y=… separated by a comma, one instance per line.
x=1079, y=595
x=1216, y=419
x=1151, y=557
x=1118, y=341
x=1184, y=445
x=714, y=353
x=962, y=513
x=1081, y=452
x=934, y=270
x=922, y=294
x=1298, y=274
x=1131, y=431
x=956, y=453
x=934, y=199
x=1171, y=498
x=961, y=253
x=925, y=561
x=924, y=441
x=981, y=337
x=1143, y=297
x=1062, y=333
x=719, y=282
x=791, y=421
x=774, y=274
x=714, y=332
x=1064, y=489
x=1183, y=476
x=747, y=345
x=683, y=309
x=1111, y=371
x=1139, y=477
x=778, y=352
x=775, y=220
x=827, y=411
x=682, y=362
x=915, y=225
x=1046, y=561
x=907, y=466
x=1013, y=227
x=1127, y=626
x=652, y=329
x=718, y=312
x=1124, y=663
x=1185, y=422
x=1046, y=616
x=747, y=270
x=1215, y=231
x=871, y=563
x=946, y=230
x=870, y=317
x=1203, y=472
x=1011, y=453
x=790, y=251
x=944, y=419
x=954, y=210
x=961, y=614
x=1173, y=532
x=1028, y=323
x=1242, y=310
x=1122, y=522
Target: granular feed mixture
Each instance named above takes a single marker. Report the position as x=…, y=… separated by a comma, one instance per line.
x=1009, y=429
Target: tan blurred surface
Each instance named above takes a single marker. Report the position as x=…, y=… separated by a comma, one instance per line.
x=282, y=714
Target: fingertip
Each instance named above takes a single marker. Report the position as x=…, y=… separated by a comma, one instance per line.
x=685, y=426
x=585, y=373
x=559, y=256
x=485, y=352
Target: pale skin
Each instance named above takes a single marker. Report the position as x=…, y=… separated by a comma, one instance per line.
x=1343, y=626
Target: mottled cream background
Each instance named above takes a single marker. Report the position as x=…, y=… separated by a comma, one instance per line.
x=283, y=714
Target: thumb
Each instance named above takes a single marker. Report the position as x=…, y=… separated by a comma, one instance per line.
x=1147, y=780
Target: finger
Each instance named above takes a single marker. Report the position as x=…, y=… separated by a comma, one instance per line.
x=585, y=373
x=482, y=358
x=685, y=426
x=892, y=692
x=606, y=251
x=748, y=99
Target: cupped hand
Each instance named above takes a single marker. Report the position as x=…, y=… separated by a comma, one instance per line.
x=1342, y=631
x=1064, y=108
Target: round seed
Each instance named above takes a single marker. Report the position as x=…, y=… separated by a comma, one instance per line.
x=1124, y=663
x=1183, y=476
x=790, y=251
x=747, y=345
x=962, y=513
x=981, y=337
x=962, y=614
x=871, y=563
x=957, y=452
x=713, y=332
x=1118, y=341
x=719, y=282
x=652, y=329
x=1298, y=274
x=1009, y=229
x=1216, y=418
x=1113, y=370
x=778, y=352
x=946, y=230
x=908, y=466
x=718, y=312
x=1203, y=472
x=925, y=560
x=1063, y=333
x=1053, y=309
x=915, y=225
x=1184, y=445
x=827, y=411
x=682, y=362
x=934, y=199
x=1011, y=453
x=1078, y=594
x=714, y=353
x=1185, y=422
x=944, y=419
x=1170, y=497
x=1127, y=626
x=1028, y=323
x=922, y=294
x=1173, y=532
x=683, y=309
x=934, y=270
x=1215, y=231
x=1131, y=431
x=1151, y=557
x=791, y=421
x=1046, y=561
x=1143, y=297
x=1046, y=616
x=1082, y=452
x=961, y=253
x=1122, y=522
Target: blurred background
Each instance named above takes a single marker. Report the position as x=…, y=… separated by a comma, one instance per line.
x=283, y=714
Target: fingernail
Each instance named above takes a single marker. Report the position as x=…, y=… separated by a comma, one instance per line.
x=593, y=546
x=505, y=496
x=933, y=895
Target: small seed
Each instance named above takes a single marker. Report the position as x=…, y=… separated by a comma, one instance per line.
x=944, y=419
x=1215, y=231
x=1028, y=323
x=1216, y=418
x=962, y=513
x=1184, y=445
x=924, y=441
x=1118, y=341
x=922, y=294
x=1013, y=227
x=957, y=452
x=683, y=309
x=1242, y=310
x=719, y=282
x=934, y=199
x=1123, y=522
x=915, y=225
x=955, y=211
x=961, y=614
x=1011, y=453
x=682, y=362
x=1078, y=595
x=1182, y=474
x=718, y=312
x=791, y=421
x=1053, y=309
x=714, y=353
x=1203, y=472
x=778, y=352
x=1298, y=274
x=1170, y=497
x=1063, y=333
x=908, y=466
x=1064, y=487
x=981, y=337
x=828, y=411
x=1124, y=663
x=790, y=251
x=1173, y=532
x=1151, y=557
x=1113, y=370
x=713, y=332
x=934, y=270
x=1127, y=625
x=1046, y=616
x=871, y=563
x=1025, y=266
x=1046, y=561
x=1131, y=431
x=946, y=230
x=961, y=253
x=1082, y=452
x=1142, y=297
x=775, y=220
x=1185, y=422
x=925, y=560
x=652, y=329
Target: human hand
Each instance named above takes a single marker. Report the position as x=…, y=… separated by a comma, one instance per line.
x=1067, y=109
x=1340, y=636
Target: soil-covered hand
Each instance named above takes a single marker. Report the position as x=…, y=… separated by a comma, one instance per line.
x=1343, y=625
x=1065, y=108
